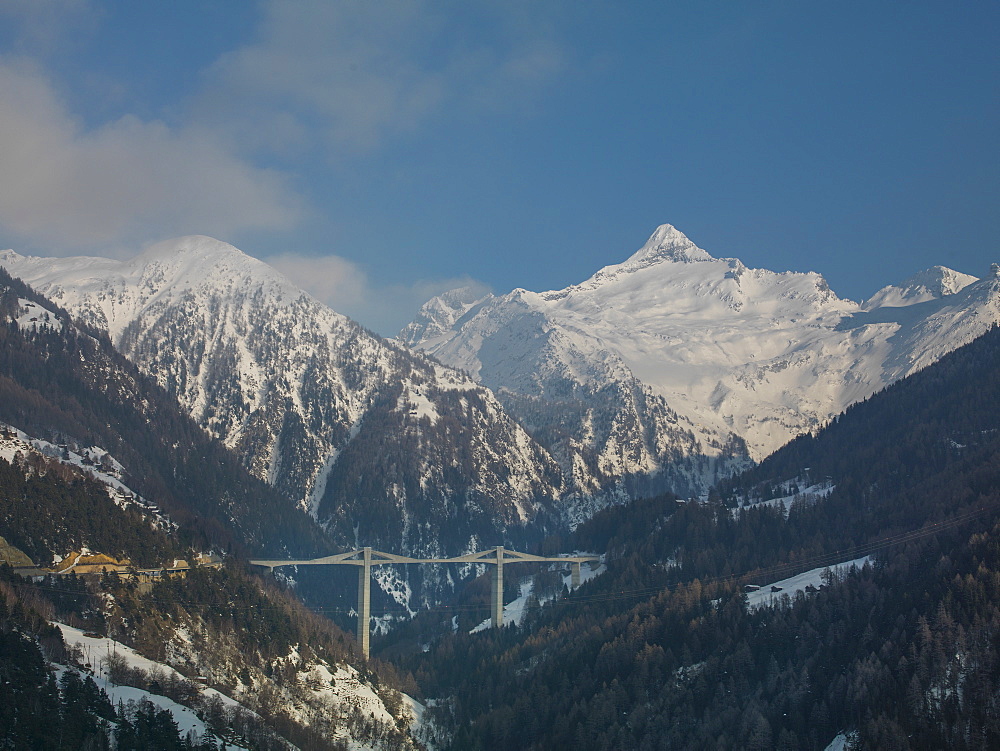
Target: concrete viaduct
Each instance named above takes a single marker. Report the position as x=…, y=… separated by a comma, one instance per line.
x=365, y=558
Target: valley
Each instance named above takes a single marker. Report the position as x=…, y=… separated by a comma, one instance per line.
x=790, y=539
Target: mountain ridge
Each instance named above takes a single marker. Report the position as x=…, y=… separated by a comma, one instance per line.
x=738, y=353
x=664, y=372
x=297, y=389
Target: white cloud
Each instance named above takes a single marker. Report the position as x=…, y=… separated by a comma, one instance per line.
x=336, y=281
x=334, y=77
x=345, y=287
x=127, y=180
x=348, y=75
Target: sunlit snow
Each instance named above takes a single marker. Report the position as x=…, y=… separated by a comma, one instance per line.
x=761, y=354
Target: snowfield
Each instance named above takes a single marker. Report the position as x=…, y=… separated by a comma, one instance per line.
x=733, y=351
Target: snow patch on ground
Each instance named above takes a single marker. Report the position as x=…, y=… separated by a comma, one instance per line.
x=513, y=612
x=420, y=727
x=319, y=484
x=415, y=402
x=447, y=379
x=323, y=474
x=395, y=585
x=813, y=492
x=35, y=317
x=337, y=689
x=767, y=596
x=95, y=652
x=841, y=742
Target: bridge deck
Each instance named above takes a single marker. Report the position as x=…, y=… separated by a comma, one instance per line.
x=485, y=556
x=367, y=558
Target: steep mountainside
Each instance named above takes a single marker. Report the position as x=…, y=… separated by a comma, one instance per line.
x=674, y=356
x=67, y=385
x=381, y=446
x=220, y=652
x=114, y=471
x=669, y=650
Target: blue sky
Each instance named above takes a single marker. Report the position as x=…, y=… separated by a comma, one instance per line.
x=381, y=152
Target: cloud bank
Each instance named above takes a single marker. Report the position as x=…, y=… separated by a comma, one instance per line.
x=68, y=187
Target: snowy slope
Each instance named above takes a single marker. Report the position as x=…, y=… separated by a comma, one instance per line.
x=514, y=611
x=96, y=651
x=725, y=352
x=304, y=394
x=90, y=460
x=773, y=593
x=319, y=694
x=930, y=284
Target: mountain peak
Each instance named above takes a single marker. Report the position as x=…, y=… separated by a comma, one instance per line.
x=183, y=251
x=667, y=243
x=200, y=244
x=439, y=314
x=929, y=284
x=201, y=262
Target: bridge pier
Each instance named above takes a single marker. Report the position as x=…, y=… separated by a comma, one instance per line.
x=369, y=558
x=498, y=589
x=364, y=600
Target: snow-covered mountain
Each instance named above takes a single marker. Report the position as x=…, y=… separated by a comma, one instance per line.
x=383, y=446
x=675, y=359
x=662, y=372
x=930, y=284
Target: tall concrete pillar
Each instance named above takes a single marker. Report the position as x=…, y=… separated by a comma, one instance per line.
x=498, y=589
x=364, y=600
x=576, y=574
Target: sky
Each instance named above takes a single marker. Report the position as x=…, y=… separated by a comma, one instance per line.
x=380, y=152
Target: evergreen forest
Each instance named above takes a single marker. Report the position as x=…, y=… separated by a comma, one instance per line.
x=663, y=650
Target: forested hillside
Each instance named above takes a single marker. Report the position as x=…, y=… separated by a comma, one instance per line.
x=664, y=652
x=241, y=655
x=68, y=384
x=223, y=633
x=220, y=631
